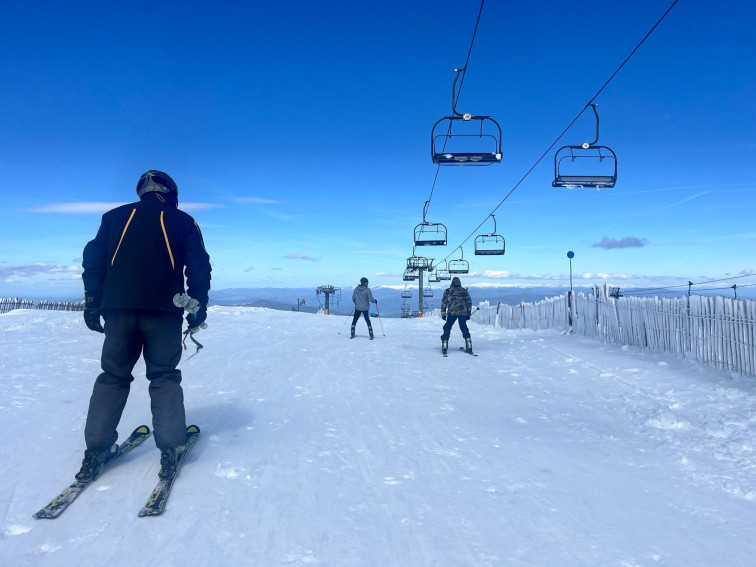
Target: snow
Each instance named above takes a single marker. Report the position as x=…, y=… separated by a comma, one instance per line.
x=547, y=449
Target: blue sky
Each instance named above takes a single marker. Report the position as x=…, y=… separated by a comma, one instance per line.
x=299, y=136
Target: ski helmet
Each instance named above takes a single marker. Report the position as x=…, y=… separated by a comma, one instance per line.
x=364, y=281
x=154, y=180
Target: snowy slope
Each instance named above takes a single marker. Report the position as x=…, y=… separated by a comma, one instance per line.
x=319, y=450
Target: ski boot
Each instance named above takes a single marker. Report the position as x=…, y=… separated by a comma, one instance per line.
x=444, y=346
x=468, y=346
x=370, y=330
x=92, y=463
x=352, y=332
x=169, y=459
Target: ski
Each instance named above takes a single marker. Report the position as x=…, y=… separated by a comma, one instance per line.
x=463, y=349
x=59, y=504
x=156, y=502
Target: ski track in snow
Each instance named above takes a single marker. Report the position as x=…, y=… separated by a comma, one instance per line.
x=546, y=449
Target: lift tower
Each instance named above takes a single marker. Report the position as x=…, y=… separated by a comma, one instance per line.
x=328, y=291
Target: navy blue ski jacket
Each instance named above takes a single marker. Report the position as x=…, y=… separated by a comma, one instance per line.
x=140, y=256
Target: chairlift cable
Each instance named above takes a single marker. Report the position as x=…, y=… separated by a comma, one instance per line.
x=556, y=141
x=671, y=287
x=455, y=99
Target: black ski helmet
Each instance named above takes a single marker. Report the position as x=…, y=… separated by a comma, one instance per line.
x=363, y=281
x=154, y=180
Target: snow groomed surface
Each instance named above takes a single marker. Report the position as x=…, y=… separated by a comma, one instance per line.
x=317, y=450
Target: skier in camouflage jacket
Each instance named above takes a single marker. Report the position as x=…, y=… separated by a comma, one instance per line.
x=456, y=305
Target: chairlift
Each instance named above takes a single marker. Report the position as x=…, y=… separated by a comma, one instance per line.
x=429, y=233
x=406, y=294
x=419, y=263
x=443, y=273
x=433, y=277
x=459, y=266
x=405, y=311
x=491, y=244
x=410, y=275
x=461, y=147
x=586, y=165
x=428, y=292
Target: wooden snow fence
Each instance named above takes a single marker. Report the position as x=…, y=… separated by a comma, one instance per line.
x=716, y=331
x=8, y=304
x=551, y=313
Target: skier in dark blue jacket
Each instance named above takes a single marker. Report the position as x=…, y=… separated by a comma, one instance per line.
x=133, y=269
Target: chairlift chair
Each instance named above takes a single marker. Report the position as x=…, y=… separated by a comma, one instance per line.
x=433, y=277
x=460, y=265
x=419, y=263
x=406, y=294
x=410, y=275
x=586, y=165
x=491, y=244
x=427, y=292
x=443, y=273
x=430, y=234
x=461, y=148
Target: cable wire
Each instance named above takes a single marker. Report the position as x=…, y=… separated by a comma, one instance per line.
x=554, y=143
x=454, y=101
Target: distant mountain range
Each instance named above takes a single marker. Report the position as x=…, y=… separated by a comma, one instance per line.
x=389, y=299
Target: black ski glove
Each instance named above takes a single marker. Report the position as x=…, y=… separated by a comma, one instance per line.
x=92, y=312
x=196, y=319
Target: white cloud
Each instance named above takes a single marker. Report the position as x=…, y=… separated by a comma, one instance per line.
x=12, y=274
x=497, y=274
x=302, y=256
x=627, y=242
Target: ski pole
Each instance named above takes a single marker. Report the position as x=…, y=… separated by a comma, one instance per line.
x=379, y=318
x=347, y=319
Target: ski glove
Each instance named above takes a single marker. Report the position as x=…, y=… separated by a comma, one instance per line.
x=196, y=319
x=92, y=312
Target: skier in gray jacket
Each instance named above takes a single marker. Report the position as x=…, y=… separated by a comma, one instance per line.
x=362, y=297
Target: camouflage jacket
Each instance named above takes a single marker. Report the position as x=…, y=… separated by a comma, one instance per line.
x=456, y=301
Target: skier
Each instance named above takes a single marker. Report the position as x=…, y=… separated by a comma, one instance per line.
x=362, y=297
x=456, y=305
x=132, y=270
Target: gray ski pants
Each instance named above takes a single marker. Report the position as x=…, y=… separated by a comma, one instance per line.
x=129, y=334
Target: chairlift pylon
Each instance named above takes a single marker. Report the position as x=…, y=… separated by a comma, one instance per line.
x=490, y=244
x=586, y=165
x=485, y=151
